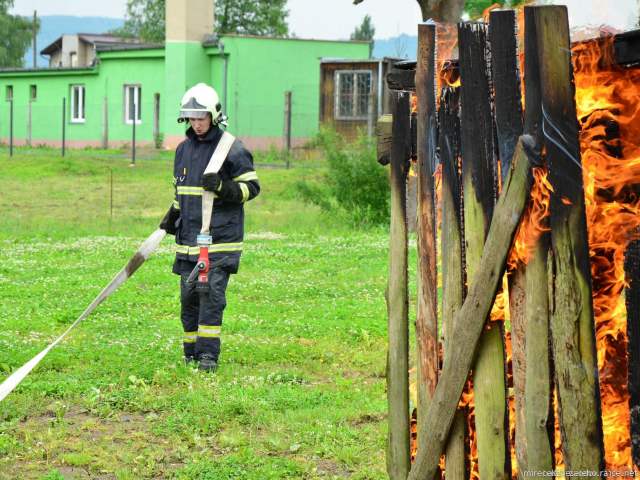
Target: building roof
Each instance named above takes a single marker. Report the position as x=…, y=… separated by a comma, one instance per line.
x=100, y=40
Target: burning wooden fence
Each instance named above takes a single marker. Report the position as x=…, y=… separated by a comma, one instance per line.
x=528, y=372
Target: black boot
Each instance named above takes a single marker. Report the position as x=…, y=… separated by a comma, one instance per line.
x=189, y=360
x=207, y=363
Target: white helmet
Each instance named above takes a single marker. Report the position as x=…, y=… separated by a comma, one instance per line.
x=198, y=101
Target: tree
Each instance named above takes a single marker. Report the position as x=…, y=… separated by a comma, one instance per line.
x=16, y=35
x=145, y=18
x=450, y=11
x=365, y=32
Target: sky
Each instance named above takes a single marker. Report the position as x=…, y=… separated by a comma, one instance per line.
x=336, y=19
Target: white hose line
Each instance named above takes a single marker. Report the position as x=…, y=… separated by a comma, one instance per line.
x=145, y=250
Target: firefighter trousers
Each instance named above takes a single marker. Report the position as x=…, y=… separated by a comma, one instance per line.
x=201, y=314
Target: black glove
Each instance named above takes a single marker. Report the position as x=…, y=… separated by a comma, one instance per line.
x=211, y=182
x=168, y=223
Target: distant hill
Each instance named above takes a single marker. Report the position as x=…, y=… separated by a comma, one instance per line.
x=403, y=46
x=53, y=26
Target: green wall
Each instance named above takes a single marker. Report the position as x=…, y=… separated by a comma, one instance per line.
x=259, y=71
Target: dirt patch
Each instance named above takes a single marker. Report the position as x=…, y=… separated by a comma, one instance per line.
x=329, y=468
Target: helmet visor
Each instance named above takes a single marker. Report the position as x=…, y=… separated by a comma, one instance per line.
x=186, y=114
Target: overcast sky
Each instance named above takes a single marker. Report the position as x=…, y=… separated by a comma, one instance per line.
x=337, y=18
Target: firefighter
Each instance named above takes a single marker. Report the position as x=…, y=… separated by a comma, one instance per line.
x=235, y=183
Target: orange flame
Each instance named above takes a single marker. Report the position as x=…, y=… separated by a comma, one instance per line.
x=606, y=100
x=533, y=223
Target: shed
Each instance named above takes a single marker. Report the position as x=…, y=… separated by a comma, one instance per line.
x=353, y=93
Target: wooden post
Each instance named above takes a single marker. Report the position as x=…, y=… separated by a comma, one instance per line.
x=452, y=259
x=398, y=457
x=105, y=123
x=287, y=124
x=427, y=307
x=29, y=120
x=11, y=125
x=478, y=176
x=530, y=320
x=508, y=114
x=64, y=123
x=133, y=133
x=383, y=134
x=632, y=298
x=469, y=321
x=572, y=322
x=156, y=121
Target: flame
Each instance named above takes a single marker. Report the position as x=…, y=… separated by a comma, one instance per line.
x=487, y=11
x=609, y=116
x=534, y=221
x=446, y=50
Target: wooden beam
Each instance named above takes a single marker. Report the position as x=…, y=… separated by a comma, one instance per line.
x=470, y=319
x=572, y=322
x=398, y=79
x=632, y=298
x=506, y=83
x=427, y=303
x=398, y=457
x=479, y=186
x=383, y=135
x=453, y=282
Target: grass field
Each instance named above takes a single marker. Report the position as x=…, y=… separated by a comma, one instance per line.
x=300, y=391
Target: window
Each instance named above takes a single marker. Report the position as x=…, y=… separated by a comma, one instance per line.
x=77, y=103
x=353, y=89
x=9, y=93
x=33, y=92
x=132, y=95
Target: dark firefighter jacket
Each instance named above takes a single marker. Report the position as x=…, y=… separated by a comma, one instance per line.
x=227, y=225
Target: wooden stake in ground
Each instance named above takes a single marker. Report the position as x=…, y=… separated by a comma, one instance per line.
x=452, y=260
x=572, y=322
x=470, y=320
x=479, y=186
x=534, y=435
x=427, y=308
x=398, y=456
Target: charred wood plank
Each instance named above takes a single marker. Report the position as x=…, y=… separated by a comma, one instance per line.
x=398, y=79
x=398, y=457
x=506, y=83
x=632, y=298
x=427, y=305
x=383, y=135
x=572, y=321
x=479, y=186
x=627, y=48
x=452, y=259
x=470, y=320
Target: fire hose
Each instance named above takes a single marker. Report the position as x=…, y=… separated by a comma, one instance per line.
x=142, y=254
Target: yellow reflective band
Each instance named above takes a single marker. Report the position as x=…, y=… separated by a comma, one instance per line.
x=245, y=191
x=216, y=247
x=184, y=190
x=176, y=205
x=190, y=337
x=245, y=177
x=206, y=331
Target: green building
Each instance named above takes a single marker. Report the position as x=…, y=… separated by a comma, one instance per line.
x=129, y=81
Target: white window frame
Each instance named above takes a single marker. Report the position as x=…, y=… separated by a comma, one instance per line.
x=354, y=116
x=78, y=90
x=137, y=90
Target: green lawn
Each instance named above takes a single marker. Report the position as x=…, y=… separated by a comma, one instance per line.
x=300, y=392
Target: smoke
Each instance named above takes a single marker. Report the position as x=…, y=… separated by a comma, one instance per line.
x=592, y=14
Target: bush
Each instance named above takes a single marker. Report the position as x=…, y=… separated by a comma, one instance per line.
x=355, y=185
